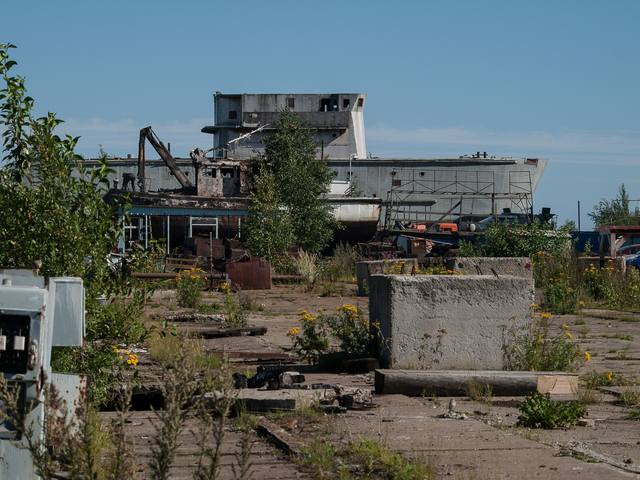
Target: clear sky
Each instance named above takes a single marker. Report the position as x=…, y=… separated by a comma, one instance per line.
x=555, y=79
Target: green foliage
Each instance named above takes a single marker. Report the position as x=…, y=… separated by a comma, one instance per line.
x=117, y=320
x=509, y=240
x=52, y=213
x=100, y=361
x=539, y=350
x=539, y=411
x=286, y=205
x=235, y=314
x=269, y=226
x=615, y=212
x=189, y=285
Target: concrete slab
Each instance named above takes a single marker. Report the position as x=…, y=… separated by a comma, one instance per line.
x=458, y=322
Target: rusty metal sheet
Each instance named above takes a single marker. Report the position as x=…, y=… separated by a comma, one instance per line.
x=249, y=273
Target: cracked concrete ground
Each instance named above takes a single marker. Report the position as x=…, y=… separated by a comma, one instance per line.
x=486, y=445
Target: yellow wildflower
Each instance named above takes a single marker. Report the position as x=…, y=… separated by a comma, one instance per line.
x=349, y=309
x=293, y=332
x=534, y=306
x=587, y=356
x=565, y=330
x=609, y=376
x=132, y=359
x=224, y=287
x=307, y=317
x=545, y=315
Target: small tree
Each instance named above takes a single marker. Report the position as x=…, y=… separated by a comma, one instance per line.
x=269, y=226
x=290, y=192
x=615, y=212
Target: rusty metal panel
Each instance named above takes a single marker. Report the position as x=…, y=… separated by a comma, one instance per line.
x=249, y=274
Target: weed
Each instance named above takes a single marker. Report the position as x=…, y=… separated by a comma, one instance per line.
x=189, y=286
x=166, y=350
x=310, y=340
x=234, y=313
x=308, y=266
x=635, y=414
x=587, y=396
x=352, y=329
x=540, y=411
x=177, y=385
x=593, y=379
x=630, y=397
x=538, y=350
x=364, y=458
x=212, y=413
x=479, y=392
x=341, y=267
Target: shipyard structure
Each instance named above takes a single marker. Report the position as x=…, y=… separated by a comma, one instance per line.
x=180, y=198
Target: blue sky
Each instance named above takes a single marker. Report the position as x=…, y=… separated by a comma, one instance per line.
x=555, y=79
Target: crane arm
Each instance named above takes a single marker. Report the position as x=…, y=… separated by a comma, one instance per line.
x=147, y=133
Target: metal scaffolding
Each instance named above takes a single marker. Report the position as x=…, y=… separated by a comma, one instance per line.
x=441, y=195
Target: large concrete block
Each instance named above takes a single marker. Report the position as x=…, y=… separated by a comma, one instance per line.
x=367, y=268
x=515, y=266
x=457, y=322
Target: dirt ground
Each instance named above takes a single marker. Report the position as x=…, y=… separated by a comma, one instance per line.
x=487, y=445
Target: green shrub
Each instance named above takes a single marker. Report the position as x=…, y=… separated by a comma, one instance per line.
x=352, y=329
x=508, y=240
x=118, y=320
x=539, y=411
x=560, y=296
x=189, y=286
x=310, y=340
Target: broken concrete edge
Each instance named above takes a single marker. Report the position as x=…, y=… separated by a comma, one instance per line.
x=366, y=268
x=456, y=382
x=278, y=437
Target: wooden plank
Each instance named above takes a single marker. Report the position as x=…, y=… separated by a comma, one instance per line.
x=227, y=332
x=455, y=382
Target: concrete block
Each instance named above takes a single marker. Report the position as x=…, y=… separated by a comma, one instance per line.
x=367, y=268
x=516, y=266
x=458, y=322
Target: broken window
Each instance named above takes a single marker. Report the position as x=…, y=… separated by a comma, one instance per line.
x=233, y=114
x=345, y=103
x=360, y=102
x=291, y=103
x=227, y=172
x=325, y=104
